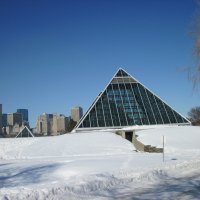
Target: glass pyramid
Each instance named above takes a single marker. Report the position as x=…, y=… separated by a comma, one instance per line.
x=126, y=102
x=25, y=132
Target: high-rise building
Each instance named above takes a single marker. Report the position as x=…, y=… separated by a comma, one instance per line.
x=24, y=113
x=14, y=118
x=4, y=119
x=126, y=102
x=76, y=113
x=51, y=124
x=62, y=122
x=43, y=124
x=1, y=119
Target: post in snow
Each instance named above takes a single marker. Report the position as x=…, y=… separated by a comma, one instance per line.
x=163, y=141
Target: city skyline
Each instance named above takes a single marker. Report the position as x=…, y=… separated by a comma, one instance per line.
x=58, y=54
x=24, y=115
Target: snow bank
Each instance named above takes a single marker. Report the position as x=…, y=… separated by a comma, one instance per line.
x=170, y=183
x=78, y=144
x=178, y=139
x=100, y=165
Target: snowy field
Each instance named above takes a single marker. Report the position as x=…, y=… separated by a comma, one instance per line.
x=101, y=165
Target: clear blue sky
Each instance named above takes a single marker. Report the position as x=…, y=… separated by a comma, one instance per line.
x=57, y=54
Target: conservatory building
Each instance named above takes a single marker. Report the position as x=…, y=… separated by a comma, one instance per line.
x=125, y=102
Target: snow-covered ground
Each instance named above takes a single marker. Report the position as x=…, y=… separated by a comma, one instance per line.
x=101, y=165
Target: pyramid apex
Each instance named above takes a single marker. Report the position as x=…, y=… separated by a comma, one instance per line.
x=121, y=73
x=120, y=68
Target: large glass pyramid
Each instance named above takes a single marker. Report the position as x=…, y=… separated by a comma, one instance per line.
x=126, y=102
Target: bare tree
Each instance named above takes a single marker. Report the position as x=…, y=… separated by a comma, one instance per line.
x=194, y=72
x=194, y=116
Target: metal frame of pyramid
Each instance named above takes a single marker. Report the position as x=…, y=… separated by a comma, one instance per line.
x=126, y=102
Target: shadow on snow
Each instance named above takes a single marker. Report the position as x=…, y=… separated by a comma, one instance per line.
x=166, y=187
x=15, y=176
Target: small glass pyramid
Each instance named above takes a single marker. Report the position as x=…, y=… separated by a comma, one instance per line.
x=25, y=132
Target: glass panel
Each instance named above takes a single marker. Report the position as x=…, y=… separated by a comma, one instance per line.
x=179, y=118
x=134, y=104
x=106, y=108
x=121, y=73
x=100, y=115
x=140, y=103
x=170, y=114
x=154, y=107
x=86, y=122
x=119, y=103
x=113, y=107
x=125, y=94
x=162, y=111
x=147, y=105
x=93, y=118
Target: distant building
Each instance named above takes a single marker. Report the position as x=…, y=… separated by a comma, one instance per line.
x=43, y=124
x=51, y=124
x=1, y=119
x=76, y=113
x=62, y=123
x=4, y=119
x=12, y=130
x=12, y=123
x=24, y=113
x=14, y=118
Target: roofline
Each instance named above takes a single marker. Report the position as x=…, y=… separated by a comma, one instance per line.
x=134, y=127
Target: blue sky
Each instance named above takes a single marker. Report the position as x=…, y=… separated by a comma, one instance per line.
x=57, y=54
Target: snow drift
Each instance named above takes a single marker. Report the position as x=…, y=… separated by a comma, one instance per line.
x=79, y=144
x=101, y=165
x=178, y=139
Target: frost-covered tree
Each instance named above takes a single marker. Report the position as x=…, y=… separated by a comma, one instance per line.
x=194, y=115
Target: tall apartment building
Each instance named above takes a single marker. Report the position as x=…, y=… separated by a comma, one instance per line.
x=0, y=118
x=51, y=124
x=14, y=118
x=43, y=124
x=76, y=113
x=62, y=123
x=24, y=113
